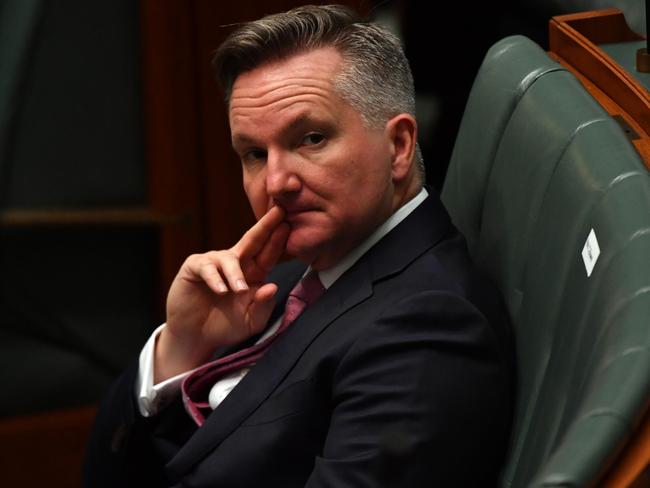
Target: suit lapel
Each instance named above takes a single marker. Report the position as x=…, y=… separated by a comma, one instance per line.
x=425, y=227
x=410, y=239
x=267, y=374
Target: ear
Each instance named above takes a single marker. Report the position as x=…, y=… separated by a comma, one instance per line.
x=402, y=132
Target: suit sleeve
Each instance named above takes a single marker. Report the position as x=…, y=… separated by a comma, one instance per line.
x=421, y=399
x=120, y=450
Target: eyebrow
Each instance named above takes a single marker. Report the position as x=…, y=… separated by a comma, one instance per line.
x=242, y=139
x=301, y=120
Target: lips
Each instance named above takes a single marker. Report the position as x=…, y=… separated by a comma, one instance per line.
x=293, y=211
x=296, y=215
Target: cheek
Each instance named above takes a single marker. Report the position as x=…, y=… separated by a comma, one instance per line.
x=256, y=193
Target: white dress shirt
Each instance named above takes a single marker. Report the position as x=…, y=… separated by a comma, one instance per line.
x=151, y=398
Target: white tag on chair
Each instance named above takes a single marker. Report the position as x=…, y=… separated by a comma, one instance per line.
x=590, y=252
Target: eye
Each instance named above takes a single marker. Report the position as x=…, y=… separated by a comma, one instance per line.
x=313, y=139
x=253, y=156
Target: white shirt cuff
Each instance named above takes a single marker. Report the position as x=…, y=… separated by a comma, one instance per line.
x=153, y=398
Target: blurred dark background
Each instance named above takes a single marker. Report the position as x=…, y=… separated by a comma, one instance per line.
x=444, y=64
x=115, y=165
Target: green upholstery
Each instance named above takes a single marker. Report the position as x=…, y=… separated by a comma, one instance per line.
x=550, y=166
x=508, y=72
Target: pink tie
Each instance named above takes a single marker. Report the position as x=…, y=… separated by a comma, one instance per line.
x=196, y=387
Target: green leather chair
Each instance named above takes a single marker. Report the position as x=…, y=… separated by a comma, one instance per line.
x=540, y=176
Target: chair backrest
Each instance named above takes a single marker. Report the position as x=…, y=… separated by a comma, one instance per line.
x=555, y=204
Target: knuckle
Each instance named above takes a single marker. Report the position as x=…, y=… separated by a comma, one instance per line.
x=213, y=258
x=231, y=259
x=208, y=269
x=212, y=255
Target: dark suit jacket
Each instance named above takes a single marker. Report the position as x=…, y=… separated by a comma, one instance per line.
x=399, y=375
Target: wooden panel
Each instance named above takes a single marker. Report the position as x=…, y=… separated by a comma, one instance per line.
x=171, y=119
x=45, y=450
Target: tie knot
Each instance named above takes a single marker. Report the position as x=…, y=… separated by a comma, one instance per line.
x=308, y=289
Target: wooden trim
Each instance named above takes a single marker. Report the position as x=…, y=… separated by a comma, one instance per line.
x=642, y=144
x=132, y=217
x=573, y=42
x=600, y=26
x=45, y=449
x=633, y=460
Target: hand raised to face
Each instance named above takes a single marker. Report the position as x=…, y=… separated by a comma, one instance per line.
x=219, y=298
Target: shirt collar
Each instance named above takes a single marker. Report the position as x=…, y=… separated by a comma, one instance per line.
x=329, y=276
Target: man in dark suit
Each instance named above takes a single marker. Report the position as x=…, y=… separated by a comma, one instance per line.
x=403, y=361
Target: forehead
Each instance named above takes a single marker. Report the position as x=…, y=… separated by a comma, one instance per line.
x=309, y=74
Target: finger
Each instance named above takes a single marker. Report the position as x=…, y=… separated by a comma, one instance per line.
x=261, y=307
x=211, y=276
x=273, y=248
x=232, y=272
x=255, y=238
x=201, y=268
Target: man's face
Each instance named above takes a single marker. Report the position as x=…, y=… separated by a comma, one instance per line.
x=306, y=150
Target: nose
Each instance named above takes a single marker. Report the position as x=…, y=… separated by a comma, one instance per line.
x=282, y=175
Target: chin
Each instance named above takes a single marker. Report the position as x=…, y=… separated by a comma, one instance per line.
x=304, y=254
x=302, y=248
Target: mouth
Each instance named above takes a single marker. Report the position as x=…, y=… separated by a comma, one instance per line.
x=293, y=212
x=295, y=215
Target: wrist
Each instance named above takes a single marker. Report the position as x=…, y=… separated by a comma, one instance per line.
x=174, y=355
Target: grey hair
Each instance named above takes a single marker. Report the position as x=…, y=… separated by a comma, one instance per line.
x=375, y=77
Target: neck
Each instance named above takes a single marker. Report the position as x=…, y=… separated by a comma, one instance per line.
x=405, y=191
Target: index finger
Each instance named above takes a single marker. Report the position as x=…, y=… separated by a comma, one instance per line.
x=254, y=239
